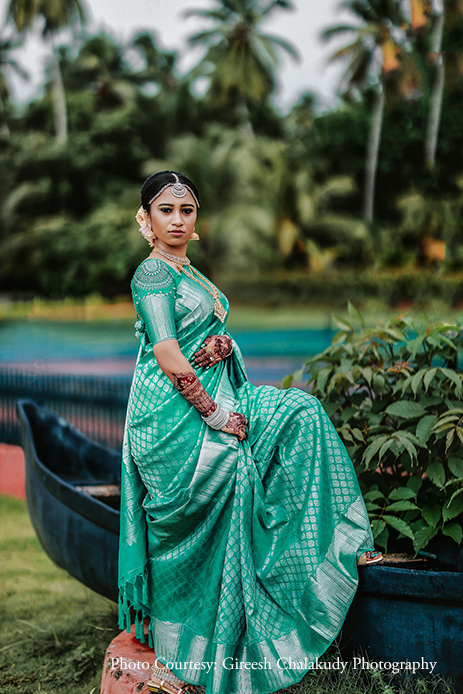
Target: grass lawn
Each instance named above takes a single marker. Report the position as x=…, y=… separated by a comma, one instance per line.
x=54, y=631
x=254, y=317
x=243, y=316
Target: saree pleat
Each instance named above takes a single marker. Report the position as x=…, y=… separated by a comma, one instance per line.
x=242, y=556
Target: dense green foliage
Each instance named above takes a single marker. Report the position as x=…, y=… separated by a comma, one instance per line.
x=279, y=192
x=400, y=288
x=394, y=394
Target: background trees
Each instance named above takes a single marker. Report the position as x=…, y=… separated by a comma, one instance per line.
x=280, y=193
x=240, y=59
x=6, y=45
x=377, y=59
x=57, y=14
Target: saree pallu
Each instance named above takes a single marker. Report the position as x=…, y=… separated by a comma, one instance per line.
x=242, y=555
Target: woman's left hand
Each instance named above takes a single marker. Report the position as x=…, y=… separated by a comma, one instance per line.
x=214, y=349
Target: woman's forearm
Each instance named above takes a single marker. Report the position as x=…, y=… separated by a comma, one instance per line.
x=171, y=360
x=176, y=367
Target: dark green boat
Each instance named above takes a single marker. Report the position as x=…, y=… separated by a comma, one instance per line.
x=73, y=496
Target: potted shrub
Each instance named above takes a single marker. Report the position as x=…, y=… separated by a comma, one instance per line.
x=394, y=393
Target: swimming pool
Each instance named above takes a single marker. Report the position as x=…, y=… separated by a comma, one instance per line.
x=111, y=347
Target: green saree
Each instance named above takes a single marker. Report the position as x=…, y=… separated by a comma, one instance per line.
x=242, y=555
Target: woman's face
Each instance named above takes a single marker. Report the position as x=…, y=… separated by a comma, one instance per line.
x=173, y=219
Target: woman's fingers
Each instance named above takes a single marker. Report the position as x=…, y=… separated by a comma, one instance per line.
x=208, y=361
x=203, y=359
x=214, y=349
x=202, y=355
x=241, y=434
x=236, y=425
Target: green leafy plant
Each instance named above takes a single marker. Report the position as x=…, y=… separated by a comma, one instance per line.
x=394, y=393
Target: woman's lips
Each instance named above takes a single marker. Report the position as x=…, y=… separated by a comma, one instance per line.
x=176, y=233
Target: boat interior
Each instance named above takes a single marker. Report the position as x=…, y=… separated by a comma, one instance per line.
x=62, y=449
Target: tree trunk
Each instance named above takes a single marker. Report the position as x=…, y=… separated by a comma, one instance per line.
x=59, y=100
x=371, y=167
x=4, y=128
x=245, y=119
x=437, y=95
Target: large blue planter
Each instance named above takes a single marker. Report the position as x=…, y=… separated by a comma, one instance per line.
x=408, y=614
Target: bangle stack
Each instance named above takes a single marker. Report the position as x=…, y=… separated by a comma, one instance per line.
x=218, y=419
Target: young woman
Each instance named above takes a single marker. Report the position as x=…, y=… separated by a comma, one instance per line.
x=242, y=520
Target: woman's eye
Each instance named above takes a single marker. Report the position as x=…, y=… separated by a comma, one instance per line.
x=165, y=209
x=188, y=211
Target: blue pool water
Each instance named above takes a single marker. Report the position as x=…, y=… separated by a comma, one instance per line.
x=269, y=355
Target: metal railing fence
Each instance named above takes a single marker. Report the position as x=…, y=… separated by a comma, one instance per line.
x=94, y=404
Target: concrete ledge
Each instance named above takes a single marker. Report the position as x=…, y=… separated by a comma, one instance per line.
x=12, y=471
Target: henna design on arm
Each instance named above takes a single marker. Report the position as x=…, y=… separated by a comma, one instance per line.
x=189, y=385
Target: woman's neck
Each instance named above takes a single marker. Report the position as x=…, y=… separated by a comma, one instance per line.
x=175, y=261
x=179, y=251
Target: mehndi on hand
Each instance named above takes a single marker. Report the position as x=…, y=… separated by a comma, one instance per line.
x=215, y=348
x=237, y=425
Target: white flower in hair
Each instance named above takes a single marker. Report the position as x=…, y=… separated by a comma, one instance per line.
x=144, y=221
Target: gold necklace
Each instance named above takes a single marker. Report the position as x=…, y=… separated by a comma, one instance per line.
x=177, y=259
x=219, y=310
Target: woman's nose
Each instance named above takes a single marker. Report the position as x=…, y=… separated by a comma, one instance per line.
x=177, y=218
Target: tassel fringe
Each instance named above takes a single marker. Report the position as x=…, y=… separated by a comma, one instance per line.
x=133, y=596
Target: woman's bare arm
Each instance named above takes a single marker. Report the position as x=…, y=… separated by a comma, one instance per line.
x=170, y=358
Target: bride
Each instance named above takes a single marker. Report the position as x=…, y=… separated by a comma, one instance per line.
x=242, y=520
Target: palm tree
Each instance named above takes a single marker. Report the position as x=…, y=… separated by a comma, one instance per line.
x=57, y=15
x=376, y=57
x=159, y=72
x=6, y=45
x=240, y=59
x=159, y=66
x=437, y=91
x=444, y=14
x=100, y=65
x=436, y=15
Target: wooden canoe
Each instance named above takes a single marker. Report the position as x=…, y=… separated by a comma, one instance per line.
x=73, y=497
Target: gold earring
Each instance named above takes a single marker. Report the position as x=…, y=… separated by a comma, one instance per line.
x=194, y=236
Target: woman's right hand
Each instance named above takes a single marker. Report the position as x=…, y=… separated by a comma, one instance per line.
x=237, y=425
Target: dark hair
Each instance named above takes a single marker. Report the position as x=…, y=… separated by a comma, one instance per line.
x=161, y=179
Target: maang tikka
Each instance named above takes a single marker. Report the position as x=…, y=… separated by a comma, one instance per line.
x=179, y=190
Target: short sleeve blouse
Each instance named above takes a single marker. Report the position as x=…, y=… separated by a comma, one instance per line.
x=153, y=290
